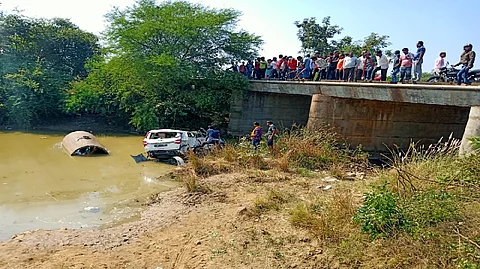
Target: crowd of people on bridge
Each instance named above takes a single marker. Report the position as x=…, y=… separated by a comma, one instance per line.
x=346, y=66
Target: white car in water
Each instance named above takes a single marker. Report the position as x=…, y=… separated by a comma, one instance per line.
x=168, y=143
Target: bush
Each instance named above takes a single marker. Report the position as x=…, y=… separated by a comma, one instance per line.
x=380, y=215
x=427, y=209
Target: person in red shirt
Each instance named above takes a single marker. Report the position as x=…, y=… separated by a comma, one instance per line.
x=341, y=58
x=256, y=69
x=242, y=68
x=292, y=66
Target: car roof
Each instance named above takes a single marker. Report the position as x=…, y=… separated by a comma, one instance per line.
x=166, y=131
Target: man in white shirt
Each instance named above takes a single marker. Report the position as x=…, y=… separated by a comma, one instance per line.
x=273, y=67
x=382, y=65
x=322, y=67
x=349, y=64
x=360, y=63
x=439, y=62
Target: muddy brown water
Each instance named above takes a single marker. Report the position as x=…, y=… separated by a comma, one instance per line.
x=42, y=187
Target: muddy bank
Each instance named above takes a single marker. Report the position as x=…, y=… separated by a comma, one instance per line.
x=217, y=229
x=168, y=207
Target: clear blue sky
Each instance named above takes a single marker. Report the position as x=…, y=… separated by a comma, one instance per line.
x=444, y=25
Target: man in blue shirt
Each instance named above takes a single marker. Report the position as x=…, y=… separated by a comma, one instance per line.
x=418, y=61
x=213, y=135
x=308, y=64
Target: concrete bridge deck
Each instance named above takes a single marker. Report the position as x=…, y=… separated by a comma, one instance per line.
x=374, y=115
x=431, y=94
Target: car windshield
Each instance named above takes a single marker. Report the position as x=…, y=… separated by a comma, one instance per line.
x=162, y=135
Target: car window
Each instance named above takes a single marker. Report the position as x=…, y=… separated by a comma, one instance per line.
x=191, y=135
x=164, y=135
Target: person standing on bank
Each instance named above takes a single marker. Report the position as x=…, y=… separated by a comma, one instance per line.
x=382, y=65
x=256, y=135
x=467, y=59
x=272, y=131
x=418, y=61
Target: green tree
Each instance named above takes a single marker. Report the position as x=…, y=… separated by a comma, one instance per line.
x=321, y=37
x=316, y=37
x=164, y=66
x=38, y=60
x=375, y=42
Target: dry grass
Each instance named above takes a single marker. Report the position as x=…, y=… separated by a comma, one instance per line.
x=329, y=220
x=273, y=200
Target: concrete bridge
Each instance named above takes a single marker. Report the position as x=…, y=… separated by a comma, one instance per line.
x=373, y=115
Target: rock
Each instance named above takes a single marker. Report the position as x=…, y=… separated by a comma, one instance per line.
x=242, y=210
x=92, y=209
x=327, y=187
x=198, y=242
x=329, y=179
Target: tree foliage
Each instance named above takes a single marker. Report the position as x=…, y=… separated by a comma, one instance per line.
x=316, y=37
x=164, y=66
x=39, y=58
x=321, y=38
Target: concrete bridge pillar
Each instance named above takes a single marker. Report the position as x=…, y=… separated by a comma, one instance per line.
x=472, y=129
x=377, y=125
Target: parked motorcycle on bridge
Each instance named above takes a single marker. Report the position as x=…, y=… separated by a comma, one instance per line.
x=449, y=74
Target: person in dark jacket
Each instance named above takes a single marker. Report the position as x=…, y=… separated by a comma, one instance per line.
x=467, y=59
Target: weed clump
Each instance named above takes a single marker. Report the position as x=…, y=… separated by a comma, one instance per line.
x=315, y=149
x=274, y=200
x=328, y=220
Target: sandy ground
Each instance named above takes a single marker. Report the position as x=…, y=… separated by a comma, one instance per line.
x=183, y=230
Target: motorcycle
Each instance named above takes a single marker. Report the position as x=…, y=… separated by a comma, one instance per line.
x=449, y=74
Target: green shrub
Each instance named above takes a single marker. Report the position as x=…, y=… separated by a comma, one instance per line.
x=430, y=208
x=380, y=216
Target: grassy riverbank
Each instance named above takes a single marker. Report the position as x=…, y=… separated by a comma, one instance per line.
x=311, y=204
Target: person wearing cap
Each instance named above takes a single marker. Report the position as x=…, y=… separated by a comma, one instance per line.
x=256, y=135
x=272, y=131
x=418, y=61
x=467, y=59
x=396, y=66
